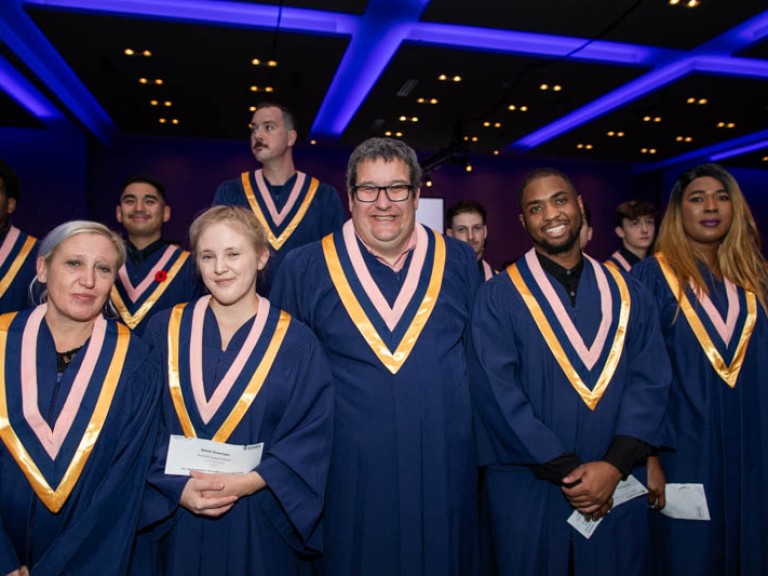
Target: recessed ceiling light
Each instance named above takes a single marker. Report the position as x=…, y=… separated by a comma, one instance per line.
x=175, y=121
x=399, y=134
x=692, y=3
x=684, y=139
x=456, y=78
x=252, y=108
x=442, y=77
x=159, y=81
x=153, y=102
x=255, y=61
x=162, y=120
x=128, y=52
x=146, y=53
x=495, y=152
x=468, y=167
x=143, y=80
x=544, y=87
x=167, y=103
x=272, y=63
x=557, y=87
x=313, y=142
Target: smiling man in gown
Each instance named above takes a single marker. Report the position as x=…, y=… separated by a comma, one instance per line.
x=390, y=302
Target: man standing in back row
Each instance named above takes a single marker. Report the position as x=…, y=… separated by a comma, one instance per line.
x=636, y=226
x=294, y=208
x=465, y=221
x=390, y=300
x=569, y=383
x=156, y=274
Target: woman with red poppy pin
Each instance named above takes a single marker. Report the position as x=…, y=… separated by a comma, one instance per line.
x=709, y=279
x=240, y=372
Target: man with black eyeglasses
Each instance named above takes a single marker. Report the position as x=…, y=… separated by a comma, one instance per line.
x=294, y=208
x=390, y=301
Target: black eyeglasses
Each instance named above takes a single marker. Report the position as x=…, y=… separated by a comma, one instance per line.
x=394, y=192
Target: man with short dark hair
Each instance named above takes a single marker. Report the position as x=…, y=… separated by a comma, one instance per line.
x=569, y=381
x=466, y=221
x=636, y=226
x=156, y=274
x=18, y=250
x=293, y=208
x=389, y=300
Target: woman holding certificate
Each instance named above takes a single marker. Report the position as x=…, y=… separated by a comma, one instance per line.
x=709, y=281
x=238, y=478
x=78, y=414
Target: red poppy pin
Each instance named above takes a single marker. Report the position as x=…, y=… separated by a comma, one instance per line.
x=161, y=276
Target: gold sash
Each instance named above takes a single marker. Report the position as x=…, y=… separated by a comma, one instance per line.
x=590, y=397
x=55, y=499
x=16, y=265
x=248, y=396
x=277, y=241
x=133, y=320
x=393, y=361
x=729, y=374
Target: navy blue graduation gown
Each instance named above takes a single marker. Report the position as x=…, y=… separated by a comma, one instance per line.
x=527, y=412
x=402, y=488
x=722, y=440
x=92, y=532
x=17, y=271
x=269, y=531
x=173, y=286
x=324, y=215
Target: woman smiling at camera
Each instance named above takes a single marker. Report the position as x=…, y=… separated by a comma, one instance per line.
x=78, y=402
x=709, y=280
x=240, y=373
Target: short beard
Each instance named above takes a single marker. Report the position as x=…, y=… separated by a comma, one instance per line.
x=555, y=249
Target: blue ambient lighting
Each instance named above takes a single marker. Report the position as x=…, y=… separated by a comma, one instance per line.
x=376, y=36
x=23, y=92
x=715, y=152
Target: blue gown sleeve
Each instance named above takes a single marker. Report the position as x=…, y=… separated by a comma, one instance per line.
x=295, y=467
x=9, y=561
x=649, y=375
x=507, y=429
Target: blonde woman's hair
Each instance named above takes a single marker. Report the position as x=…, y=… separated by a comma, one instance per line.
x=739, y=255
x=237, y=216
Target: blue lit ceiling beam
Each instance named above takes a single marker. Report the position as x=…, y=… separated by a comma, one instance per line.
x=33, y=49
x=380, y=33
x=13, y=83
x=737, y=38
x=527, y=43
x=240, y=14
x=713, y=153
x=621, y=96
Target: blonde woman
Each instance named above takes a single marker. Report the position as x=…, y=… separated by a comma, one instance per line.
x=239, y=372
x=78, y=402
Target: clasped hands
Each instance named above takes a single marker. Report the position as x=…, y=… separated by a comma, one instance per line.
x=214, y=494
x=589, y=488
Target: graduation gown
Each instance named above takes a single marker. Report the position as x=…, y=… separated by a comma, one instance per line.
x=722, y=431
x=168, y=277
x=69, y=500
x=18, y=253
x=600, y=372
x=402, y=490
x=292, y=412
x=306, y=211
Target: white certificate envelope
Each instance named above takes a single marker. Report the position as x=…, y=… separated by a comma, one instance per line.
x=625, y=490
x=186, y=454
x=686, y=502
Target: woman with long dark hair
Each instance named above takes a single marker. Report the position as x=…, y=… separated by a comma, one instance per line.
x=710, y=283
